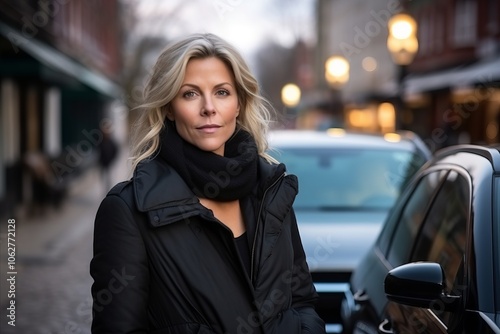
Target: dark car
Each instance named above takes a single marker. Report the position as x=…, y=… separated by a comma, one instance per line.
x=347, y=184
x=435, y=266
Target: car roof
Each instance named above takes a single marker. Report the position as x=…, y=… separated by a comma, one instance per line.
x=492, y=153
x=405, y=140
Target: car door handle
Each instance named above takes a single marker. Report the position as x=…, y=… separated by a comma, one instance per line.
x=385, y=327
x=361, y=296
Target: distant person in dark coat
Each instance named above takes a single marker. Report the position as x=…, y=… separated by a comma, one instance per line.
x=108, y=150
x=47, y=189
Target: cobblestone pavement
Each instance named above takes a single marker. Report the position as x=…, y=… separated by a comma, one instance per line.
x=52, y=281
x=54, y=297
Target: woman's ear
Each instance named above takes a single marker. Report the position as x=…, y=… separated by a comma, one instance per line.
x=170, y=114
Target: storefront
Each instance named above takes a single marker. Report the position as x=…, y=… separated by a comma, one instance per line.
x=458, y=105
x=50, y=103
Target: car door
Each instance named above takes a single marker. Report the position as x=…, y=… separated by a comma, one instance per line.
x=391, y=250
x=441, y=239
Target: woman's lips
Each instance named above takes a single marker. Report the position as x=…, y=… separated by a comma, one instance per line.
x=209, y=128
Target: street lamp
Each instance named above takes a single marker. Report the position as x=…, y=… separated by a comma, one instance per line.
x=290, y=96
x=402, y=43
x=336, y=71
x=337, y=74
x=402, y=40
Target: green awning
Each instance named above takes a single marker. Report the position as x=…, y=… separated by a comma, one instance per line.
x=482, y=72
x=57, y=60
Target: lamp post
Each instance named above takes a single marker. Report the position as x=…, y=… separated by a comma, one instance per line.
x=336, y=74
x=403, y=45
x=290, y=96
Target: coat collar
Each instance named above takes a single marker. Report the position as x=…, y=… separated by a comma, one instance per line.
x=162, y=193
x=156, y=184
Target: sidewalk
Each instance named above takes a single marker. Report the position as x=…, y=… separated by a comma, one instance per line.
x=45, y=239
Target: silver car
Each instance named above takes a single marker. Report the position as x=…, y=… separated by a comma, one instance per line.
x=348, y=182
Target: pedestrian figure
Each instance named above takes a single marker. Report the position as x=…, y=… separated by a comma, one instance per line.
x=47, y=190
x=203, y=238
x=108, y=150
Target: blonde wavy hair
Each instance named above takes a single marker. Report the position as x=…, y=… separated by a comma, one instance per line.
x=165, y=82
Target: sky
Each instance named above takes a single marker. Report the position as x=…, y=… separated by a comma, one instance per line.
x=247, y=24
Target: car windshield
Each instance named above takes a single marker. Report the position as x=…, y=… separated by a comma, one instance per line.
x=347, y=179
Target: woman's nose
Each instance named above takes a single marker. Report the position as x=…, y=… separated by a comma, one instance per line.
x=208, y=107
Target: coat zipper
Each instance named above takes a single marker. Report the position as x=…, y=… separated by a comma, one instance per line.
x=258, y=224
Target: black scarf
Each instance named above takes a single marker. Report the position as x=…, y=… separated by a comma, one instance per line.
x=209, y=175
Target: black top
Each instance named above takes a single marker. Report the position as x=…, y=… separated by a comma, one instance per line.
x=244, y=250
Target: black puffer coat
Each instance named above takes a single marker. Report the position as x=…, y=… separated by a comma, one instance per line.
x=164, y=264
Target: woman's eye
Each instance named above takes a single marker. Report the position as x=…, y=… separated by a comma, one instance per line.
x=189, y=94
x=223, y=92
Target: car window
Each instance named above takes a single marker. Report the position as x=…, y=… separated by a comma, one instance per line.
x=443, y=235
x=347, y=179
x=411, y=217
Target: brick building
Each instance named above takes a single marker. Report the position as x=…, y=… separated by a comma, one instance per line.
x=450, y=92
x=60, y=64
x=453, y=87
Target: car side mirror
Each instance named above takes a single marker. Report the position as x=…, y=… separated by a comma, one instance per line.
x=419, y=284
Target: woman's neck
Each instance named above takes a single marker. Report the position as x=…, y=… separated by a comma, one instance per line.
x=229, y=213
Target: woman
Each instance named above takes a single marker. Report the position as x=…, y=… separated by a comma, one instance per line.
x=203, y=238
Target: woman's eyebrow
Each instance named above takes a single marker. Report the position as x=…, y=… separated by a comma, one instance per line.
x=216, y=86
x=189, y=85
x=224, y=83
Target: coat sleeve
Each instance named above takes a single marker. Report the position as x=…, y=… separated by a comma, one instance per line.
x=304, y=294
x=119, y=268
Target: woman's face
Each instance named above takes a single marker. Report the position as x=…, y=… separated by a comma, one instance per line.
x=206, y=106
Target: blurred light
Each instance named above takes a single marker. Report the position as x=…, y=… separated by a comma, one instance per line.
x=402, y=50
x=463, y=94
x=335, y=132
x=392, y=137
x=386, y=115
x=417, y=100
x=402, y=26
x=361, y=118
x=290, y=95
x=336, y=70
x=369, y=64
x=402, y=40
x=492, y=130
